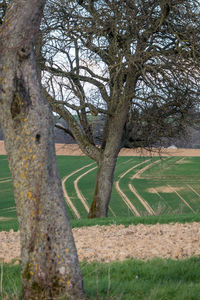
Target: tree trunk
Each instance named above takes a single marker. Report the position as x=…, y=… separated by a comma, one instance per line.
x=103, y=187
x=50, y=267
x=107, y=163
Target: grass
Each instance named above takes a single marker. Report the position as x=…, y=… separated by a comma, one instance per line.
x=176, y=172
x=10, y=288
x=157, y=279
x=126, y=221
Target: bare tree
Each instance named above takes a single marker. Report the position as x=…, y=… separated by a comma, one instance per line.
x=103, y=57
x=153, y=125
x=50, y=267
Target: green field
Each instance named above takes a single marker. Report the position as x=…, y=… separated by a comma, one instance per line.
x=170, y=186
x=159, y=187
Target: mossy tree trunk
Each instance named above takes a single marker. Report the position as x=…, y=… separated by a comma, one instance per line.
x=50, y=267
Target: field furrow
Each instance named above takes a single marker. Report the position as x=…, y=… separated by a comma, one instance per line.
x=144, y=203
x=68, y=200
x=122, y=194
x=78, y=192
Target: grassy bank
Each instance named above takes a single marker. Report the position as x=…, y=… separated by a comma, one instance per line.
x=156, y=279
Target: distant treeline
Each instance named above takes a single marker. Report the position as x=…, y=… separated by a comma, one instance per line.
x=192, y=140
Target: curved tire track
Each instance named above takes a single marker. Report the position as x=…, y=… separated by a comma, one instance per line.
x=122, y=194
x=67, y=198
x=184, y=201
x=148, y=208
x=193, y=190
x=78, y=192
x=6, y=179
x=142, y=201
x=80, y=195
x=138, y=174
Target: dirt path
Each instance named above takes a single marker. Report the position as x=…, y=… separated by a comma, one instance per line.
x=113, y=243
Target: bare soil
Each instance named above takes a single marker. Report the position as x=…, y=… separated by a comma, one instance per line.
x=164, y=189
x=117, y=243
x=73, y=149
x=70, y=149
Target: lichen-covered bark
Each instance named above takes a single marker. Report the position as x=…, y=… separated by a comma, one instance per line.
x=50, y=267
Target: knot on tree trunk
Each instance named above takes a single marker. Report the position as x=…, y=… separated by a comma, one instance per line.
x=24, y=53
x=21, y=99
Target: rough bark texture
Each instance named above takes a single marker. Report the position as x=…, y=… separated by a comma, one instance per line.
x=103, y=188
x=50, y=267
x=107, y=162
